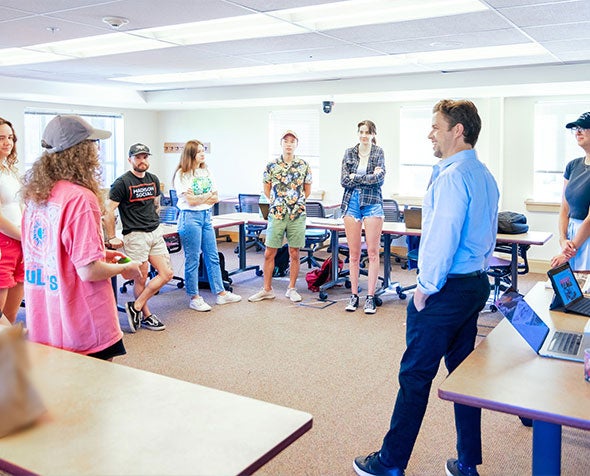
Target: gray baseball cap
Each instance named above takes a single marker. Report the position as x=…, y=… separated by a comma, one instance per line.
x=65, y=131
x=139, y=149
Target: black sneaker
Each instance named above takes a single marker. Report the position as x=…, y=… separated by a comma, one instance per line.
x=133, y=316
x=152, y=323
x=353, y=303
x=370, y=307
x=455, y=468
x=371, y=465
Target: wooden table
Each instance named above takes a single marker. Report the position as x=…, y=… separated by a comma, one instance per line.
x=504, y=374
x=108, y=419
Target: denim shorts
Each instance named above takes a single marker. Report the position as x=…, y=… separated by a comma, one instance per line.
x=358, y=213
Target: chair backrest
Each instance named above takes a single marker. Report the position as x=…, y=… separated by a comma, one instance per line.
x=314, y=209
x=168, y=214
x=173, y=197
x=248, y=203
x=391, y=210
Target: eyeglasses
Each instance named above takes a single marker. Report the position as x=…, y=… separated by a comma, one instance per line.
x=575, y=130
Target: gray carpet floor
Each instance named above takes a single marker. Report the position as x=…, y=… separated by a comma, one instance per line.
x=340, y=367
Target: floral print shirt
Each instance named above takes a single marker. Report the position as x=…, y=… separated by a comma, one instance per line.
x=287, y=187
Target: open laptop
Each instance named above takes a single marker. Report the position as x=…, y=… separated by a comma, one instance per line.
x=568, y=295
x=413, y=218
x=546, y=342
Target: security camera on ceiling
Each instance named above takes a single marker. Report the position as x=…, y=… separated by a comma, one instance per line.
x=327, y=106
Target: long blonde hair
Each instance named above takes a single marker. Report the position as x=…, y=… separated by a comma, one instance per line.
x=11, y=160
x=78, y=164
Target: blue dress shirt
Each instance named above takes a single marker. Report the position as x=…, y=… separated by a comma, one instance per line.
x=459, y=220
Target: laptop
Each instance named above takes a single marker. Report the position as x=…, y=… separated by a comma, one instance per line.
x=264, y=210
x=413, y=218
x=546, y=342
x=568, y=295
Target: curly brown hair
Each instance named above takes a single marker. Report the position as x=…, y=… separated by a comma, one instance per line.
x=11, y=160
x=78, y=164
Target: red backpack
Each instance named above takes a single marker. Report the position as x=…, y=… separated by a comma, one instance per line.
x=318, y=276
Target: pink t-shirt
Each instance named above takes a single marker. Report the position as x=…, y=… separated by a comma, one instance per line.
x=58, y=237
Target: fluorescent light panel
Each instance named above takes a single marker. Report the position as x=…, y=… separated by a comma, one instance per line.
x=278, y=23
x=433, y=57
x=370, y=12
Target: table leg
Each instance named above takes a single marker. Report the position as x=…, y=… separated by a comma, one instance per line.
x=114, y=285
x=514, y=266
x=546, y=449
x=336, y=278
x=242, y=254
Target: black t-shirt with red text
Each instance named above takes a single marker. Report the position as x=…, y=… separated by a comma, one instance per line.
x=137, y=207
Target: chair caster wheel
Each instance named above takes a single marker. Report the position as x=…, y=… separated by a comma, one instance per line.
x=259, y=272
x=493, y=308
x=180, y=285
x=123, y=289
x=323, y=296
x=347, y=284
x=378, y=301
x=237, y=250
x=228, y=239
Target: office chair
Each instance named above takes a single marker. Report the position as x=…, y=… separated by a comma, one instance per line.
x=392, y=214
x=169, y=215
x=402, y=290
x=314, y=237
x=500, y=270
x=248, y=203
x=173, y=197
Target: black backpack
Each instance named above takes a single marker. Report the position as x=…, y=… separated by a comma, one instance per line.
x=512, y=223
x=281, y=261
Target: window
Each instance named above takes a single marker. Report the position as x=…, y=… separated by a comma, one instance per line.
x=306, y=124
x=416, y=156
x=111, y=150
x=554, y=146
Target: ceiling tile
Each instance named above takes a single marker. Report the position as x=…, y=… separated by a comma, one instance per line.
x=548, y=13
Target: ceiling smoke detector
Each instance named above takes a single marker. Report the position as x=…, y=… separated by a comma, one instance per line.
x=115, y=22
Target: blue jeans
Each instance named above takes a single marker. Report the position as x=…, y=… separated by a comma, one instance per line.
x=447, y=328
x=197, y=234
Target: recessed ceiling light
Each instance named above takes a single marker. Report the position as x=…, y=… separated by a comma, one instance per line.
x=445, y=44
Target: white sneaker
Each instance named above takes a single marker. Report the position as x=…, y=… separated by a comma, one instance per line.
x=227, y=298
x=199, y=304
x=261, y=295
x=293, y=295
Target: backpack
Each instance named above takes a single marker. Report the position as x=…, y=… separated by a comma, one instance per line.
x=204, y=279
x=512, y=223
x=318, y=276
x=281, y=262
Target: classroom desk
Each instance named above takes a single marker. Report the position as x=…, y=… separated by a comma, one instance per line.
x=504, y=374
x=108, y=419
x=538, y=238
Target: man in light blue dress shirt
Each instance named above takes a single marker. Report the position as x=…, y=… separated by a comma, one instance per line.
x=459, y=226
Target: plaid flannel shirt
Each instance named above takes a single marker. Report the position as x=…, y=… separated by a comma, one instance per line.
x=369, y=184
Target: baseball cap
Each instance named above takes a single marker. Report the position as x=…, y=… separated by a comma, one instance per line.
x=583, y=121
x=290, y=133
x=65, y=131
x=139, y=149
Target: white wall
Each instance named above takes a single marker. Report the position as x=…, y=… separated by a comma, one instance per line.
x=239, y=145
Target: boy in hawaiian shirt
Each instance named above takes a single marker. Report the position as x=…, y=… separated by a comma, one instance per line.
x=287, y=184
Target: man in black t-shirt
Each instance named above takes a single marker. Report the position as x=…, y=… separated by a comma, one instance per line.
x=136, y=194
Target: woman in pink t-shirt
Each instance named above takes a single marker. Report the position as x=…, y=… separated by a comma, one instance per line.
x=69, y=299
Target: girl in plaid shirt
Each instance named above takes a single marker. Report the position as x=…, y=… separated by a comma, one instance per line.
x=363, y=173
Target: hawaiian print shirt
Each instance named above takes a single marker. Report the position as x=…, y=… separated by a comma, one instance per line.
x=287, y=191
